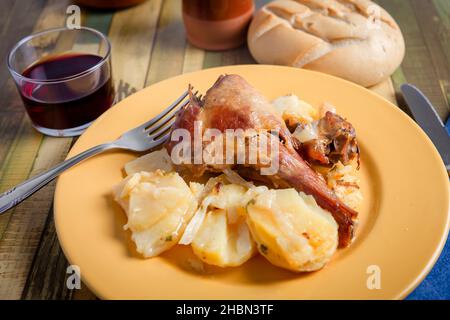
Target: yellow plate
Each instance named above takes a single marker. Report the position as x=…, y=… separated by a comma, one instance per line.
x=403, y=221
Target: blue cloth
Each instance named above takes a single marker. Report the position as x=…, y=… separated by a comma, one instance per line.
x=436, y=285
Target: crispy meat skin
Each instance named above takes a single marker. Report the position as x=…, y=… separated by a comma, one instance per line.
x=232, y=103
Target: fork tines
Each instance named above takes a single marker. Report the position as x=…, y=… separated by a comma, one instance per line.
x=160, y=125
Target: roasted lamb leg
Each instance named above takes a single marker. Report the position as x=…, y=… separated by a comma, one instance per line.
x=232, y=103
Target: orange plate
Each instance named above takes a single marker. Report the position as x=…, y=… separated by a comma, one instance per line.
x=403, y=220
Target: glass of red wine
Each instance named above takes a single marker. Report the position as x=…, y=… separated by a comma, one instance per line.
x=64, y=78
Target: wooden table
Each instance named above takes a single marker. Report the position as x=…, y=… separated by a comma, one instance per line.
x=149, y=45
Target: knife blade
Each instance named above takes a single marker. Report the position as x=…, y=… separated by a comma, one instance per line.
x=427, y=118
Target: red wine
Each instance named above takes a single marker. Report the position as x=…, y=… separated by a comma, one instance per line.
x=74, y=97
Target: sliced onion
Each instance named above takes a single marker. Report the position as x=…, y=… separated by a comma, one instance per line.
x=325, y=107
x=252, y=193
x=308, y=133
x=234, y=177
x=196, y=221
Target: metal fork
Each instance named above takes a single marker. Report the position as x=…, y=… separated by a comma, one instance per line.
x=145, y=137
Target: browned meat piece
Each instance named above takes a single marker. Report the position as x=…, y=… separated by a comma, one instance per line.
x=232, y=103
x=316, y=151
x=336, y=142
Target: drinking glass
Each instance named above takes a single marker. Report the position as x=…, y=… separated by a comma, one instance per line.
x=64, y=78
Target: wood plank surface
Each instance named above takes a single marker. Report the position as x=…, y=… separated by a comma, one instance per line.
x=149, y=45
x=132, y=34
x=418, y=53
x=11, y=110
x=170, y=42
x=21, y=227
x=443, y=31
x=193, y=59
x=437, y=39
x=25, y=12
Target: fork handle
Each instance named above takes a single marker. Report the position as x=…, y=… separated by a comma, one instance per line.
x=22, y=191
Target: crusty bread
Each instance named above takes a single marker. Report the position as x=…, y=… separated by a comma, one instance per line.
x=353, y=39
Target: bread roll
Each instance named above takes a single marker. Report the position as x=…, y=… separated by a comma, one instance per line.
x=353, y=39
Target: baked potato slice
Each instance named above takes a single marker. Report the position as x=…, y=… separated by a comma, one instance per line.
x=291, y=230
x=158, y=206
x=223, y=238
x=221, y=243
